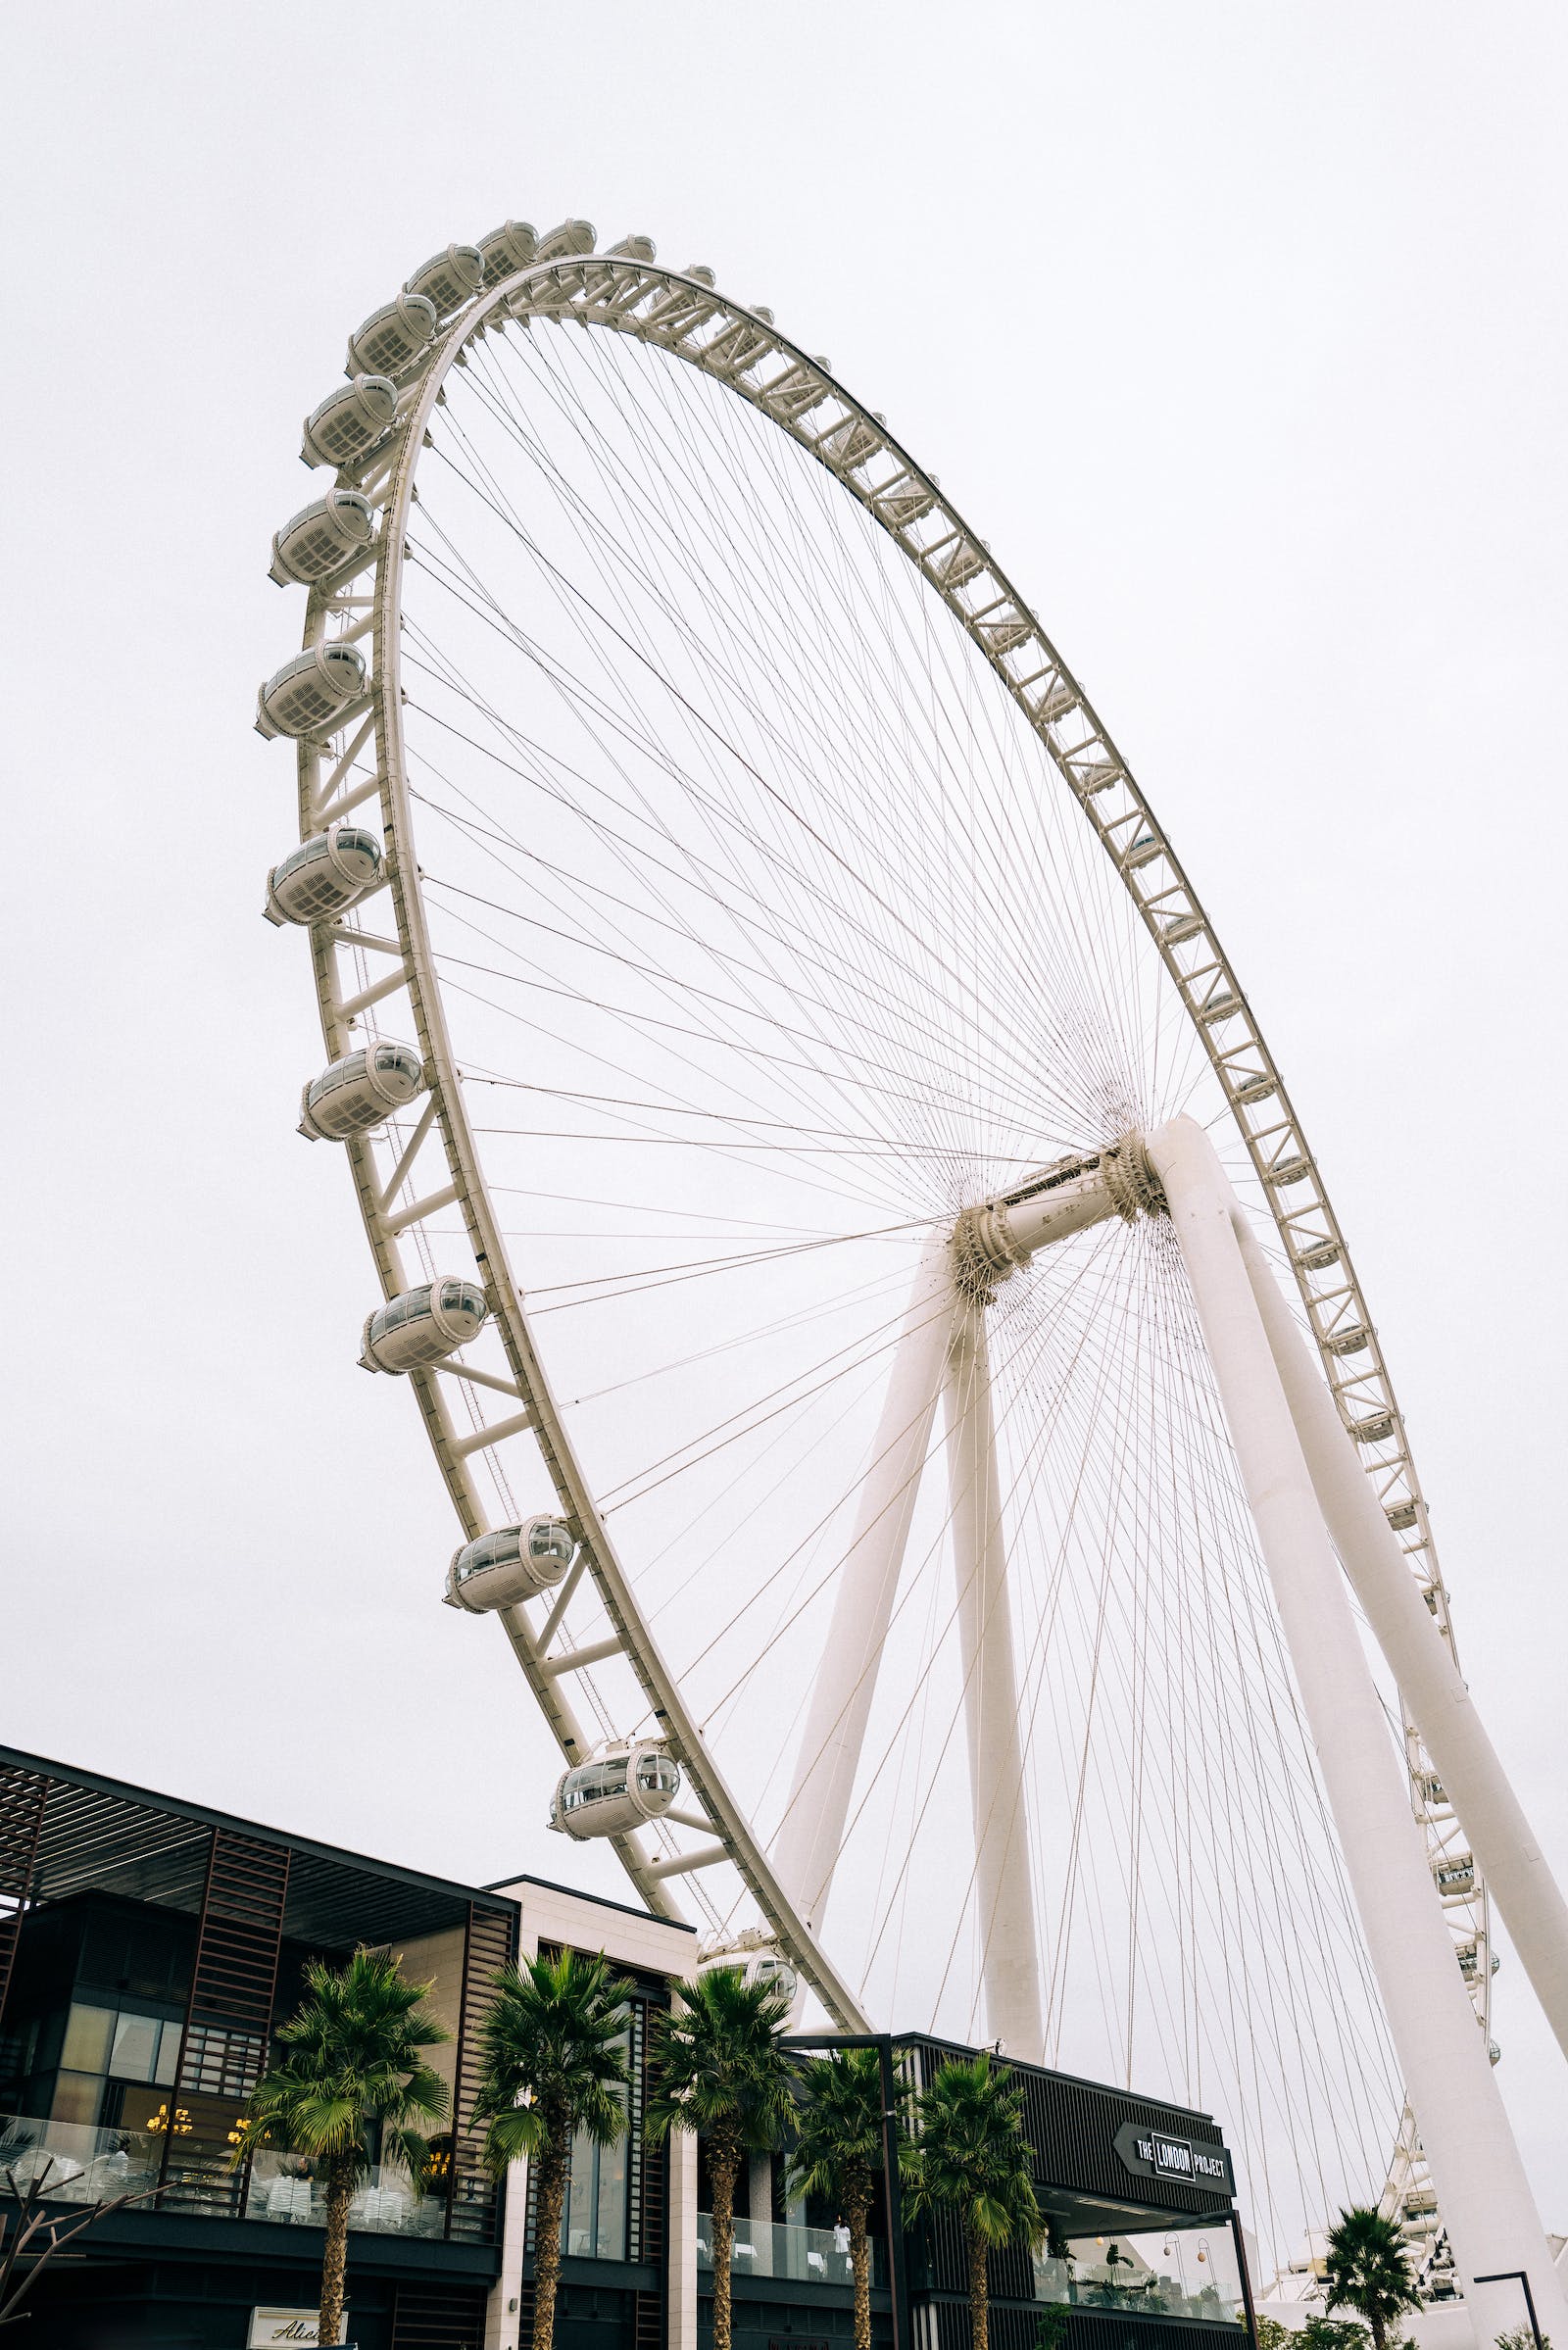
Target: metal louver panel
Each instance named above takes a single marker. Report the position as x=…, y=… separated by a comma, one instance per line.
x=471, y=2208
x=223, y=2050
x=22, y=1801
x=449, y=2316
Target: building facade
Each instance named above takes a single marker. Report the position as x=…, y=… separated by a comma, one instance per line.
x=148, y=1951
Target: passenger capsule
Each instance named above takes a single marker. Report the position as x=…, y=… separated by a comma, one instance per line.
x=362, y=1090
x=391, y=336
x=349, y=421
x=1285, y=1171
x=621, y=1790
x=1176, y=929
x=1142, y=852
x=324, y=875
x=1375, y=1429
x=633, y=248
x=756, y=1962
x=1319, y=1255
x=1455, y=1876
x=422, y=1326
x=571, y=237
x=1402, y=1515
x=508, y=249
x=448, y=280
x=1419, y=2200
x=517, y=1563
x=323, y=537
x=307, y=694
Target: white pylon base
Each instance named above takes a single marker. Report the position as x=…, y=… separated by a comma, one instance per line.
x=1485, y=2195
x=1009, y=1956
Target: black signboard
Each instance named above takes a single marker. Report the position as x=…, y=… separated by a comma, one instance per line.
x=1150, y=2152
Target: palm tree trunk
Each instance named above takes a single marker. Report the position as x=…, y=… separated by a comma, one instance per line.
x=861, y=2263
x=723, y=2166
x=335, y=2259
x=547, y=2241
x=979, y=2303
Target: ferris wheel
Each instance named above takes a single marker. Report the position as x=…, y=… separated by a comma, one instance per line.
x=784, y=1091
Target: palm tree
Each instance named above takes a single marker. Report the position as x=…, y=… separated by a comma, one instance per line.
x=352, y=2061
x=1368, y=2270
x=721, y=2072
x=554, y=2057
x=837, y=2152
x=968, y=2156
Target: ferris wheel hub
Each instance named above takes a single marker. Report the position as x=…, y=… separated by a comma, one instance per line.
x=993, y=1241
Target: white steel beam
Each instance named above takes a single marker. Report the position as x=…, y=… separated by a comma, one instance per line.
x=1482, y=2187
x=1010, y=1960
x=1420, y=1660
x=805, y=1850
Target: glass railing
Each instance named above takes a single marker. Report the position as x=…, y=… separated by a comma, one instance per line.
x=283, y=2191
x=77, y=2164
x=73, y=2162
x=1186, y=2274
x=806, y=2255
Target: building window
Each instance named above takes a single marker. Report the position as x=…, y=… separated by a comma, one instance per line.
x=594, y=2222
x=595, y=2219
x=115, y=2047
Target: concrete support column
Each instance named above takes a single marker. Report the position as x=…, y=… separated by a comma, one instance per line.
x=680, y=2239
x=1481, y=2182
x=503, y=2315
x=760, y=2211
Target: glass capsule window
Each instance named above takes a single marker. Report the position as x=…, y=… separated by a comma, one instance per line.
x=460, y=1297
x=397, y=1060
x=550, y=1540
x=656, y=1775
x=406, y=1308
x=354, y=840
x=342, y=1073
x=594, y=1783
x=309, y=853
x=491, y=1550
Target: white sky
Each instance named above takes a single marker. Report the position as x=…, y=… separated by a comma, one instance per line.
x=1240, y=331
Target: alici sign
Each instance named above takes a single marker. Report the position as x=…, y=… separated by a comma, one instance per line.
x=1152, y=2153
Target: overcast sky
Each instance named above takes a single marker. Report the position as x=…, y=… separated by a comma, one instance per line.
x=1237, y=328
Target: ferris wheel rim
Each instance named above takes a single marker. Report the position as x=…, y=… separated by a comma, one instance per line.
x=1245, y=1059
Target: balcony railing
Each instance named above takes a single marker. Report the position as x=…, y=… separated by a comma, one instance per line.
x=804, y=2255
x=283, y=2190
x=75, y=2162
x=78, y=2164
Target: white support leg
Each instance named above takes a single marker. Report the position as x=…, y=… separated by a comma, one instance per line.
x=1420, y=1660
x=681, y=2238
x=1482, y=2187
x=1009, y=1957
x=805, y=1850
